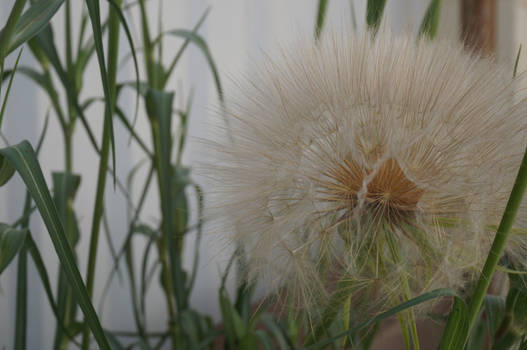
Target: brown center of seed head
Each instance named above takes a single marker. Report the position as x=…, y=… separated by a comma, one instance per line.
x=389, y=193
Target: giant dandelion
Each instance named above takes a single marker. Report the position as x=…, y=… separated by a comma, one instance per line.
x=372, y=168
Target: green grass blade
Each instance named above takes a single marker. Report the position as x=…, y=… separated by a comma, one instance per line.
x=196, y=39
x=515, y=70
x=159, y=108
x=183, y=47
x=109, y=86
x=393, y=311
x=494, y=311
x=33, y=21
x=12, y=76
x=122, y=117
x=500, y=239
x=23, y=158
x=45, y=42
x=321, y=16
x=21, y=284
x=45, y=82
x=7, y=33
x=431, y=20
x=44, y=278
x=11, y=241
x=95, y=18
x=374, y=11
x=199, y=234
x=116, y=8
x=456, y=329
x=21, y=301
x=6, y=171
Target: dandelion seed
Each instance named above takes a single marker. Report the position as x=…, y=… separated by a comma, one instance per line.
x=379, y=161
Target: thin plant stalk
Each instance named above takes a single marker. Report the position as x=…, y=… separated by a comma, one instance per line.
x=21, y=286
x=113, y=49
x=498, y=245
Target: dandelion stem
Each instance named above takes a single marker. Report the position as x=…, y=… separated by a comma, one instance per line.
x=499, y=242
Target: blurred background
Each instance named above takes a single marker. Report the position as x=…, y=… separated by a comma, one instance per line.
x=237, y=31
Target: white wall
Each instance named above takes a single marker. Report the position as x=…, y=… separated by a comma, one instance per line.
x=236, y=31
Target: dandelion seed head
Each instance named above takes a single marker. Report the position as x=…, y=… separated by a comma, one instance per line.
x=380, y=161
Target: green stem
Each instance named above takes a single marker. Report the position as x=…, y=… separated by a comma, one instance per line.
x=113, y=48
x=21, y=286
x=407, y=321
x=498, y=245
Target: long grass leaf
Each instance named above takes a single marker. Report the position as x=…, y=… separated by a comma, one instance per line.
x=6, y=35
x=500, y=239
x=11, y=241
x=34, y=20
x=374, y=11
x=456, y=328
x=183, y=47
x=122, y=19
x=23, y=158
x=12, y=76
x=393, y=311
x=198, y=40
x=321, y=15
x=108, y=75
x=159, y=108
x=21, y=284
x=95, y=18
x=431, y=20
x=46, y=43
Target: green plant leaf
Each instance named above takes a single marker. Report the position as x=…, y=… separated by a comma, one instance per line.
x=277, y=332
x=321, y=15
x=196, y=39
x=6, y=170
x=65, y=186
x=234, y=327
x=494, y=311
x=34, y=20
x=431, y=20
x=12, y=75
x=6, y=34
x=456, y=328
x=393, y=311
x=159, y=109
x=11, y=241
x=183, y=47
x=374, y=11
x=478, y=336
x=23, y=158
x=95, y=18
x=45, y=42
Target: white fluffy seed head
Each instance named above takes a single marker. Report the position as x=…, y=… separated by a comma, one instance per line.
x=381, y=165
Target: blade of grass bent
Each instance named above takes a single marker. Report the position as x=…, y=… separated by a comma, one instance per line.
x=23, y=158
x=12, y=76
x=202, y=45
x=393, y=311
